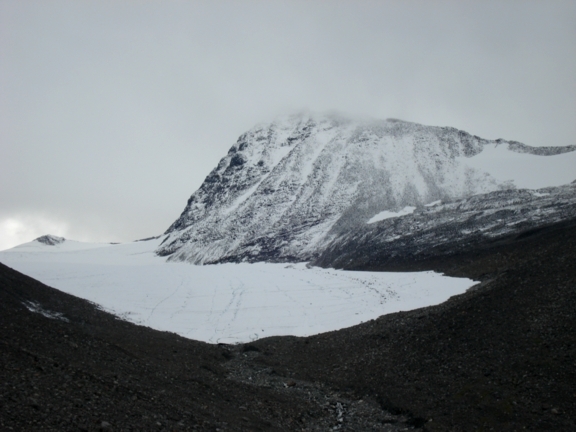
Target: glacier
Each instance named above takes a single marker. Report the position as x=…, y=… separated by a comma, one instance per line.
x=224, y=303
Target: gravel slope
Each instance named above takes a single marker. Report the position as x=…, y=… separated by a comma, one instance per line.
x=500, y=357
x=80, y=368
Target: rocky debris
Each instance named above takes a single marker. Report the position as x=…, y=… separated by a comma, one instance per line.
x=328, y=409
x=50, y=240
x=541, y=151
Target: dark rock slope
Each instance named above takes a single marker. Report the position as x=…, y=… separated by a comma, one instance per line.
x=500, y=357
x=452, y=228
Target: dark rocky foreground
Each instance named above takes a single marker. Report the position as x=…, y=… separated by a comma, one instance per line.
x=500, y=357
x=66, y=365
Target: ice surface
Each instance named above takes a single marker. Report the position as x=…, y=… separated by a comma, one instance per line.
x=526, y=170
x=225, y=303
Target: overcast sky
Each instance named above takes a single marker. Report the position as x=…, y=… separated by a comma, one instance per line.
x=113, y=112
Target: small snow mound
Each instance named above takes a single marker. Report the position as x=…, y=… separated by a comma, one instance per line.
x=50, y=240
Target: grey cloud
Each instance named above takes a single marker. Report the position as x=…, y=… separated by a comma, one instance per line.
x=112, y=113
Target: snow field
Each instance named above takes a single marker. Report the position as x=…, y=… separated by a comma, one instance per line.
x=229, y=303
x=526, y=171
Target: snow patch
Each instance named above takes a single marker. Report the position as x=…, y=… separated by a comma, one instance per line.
x=388, y=214
x=433, y=203
x=241, y=199
x=37, y=308
x=526, y=171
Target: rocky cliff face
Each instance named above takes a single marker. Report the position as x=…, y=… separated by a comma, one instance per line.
x=287, y=189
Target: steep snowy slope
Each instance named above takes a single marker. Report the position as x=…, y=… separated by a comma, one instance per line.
x=287, y=189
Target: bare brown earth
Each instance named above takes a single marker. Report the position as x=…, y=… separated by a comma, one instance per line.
x=500, y=357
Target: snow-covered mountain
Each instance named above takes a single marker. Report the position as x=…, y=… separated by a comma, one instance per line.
x=288, y=189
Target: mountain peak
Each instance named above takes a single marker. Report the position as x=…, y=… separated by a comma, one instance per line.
x=287, y=188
